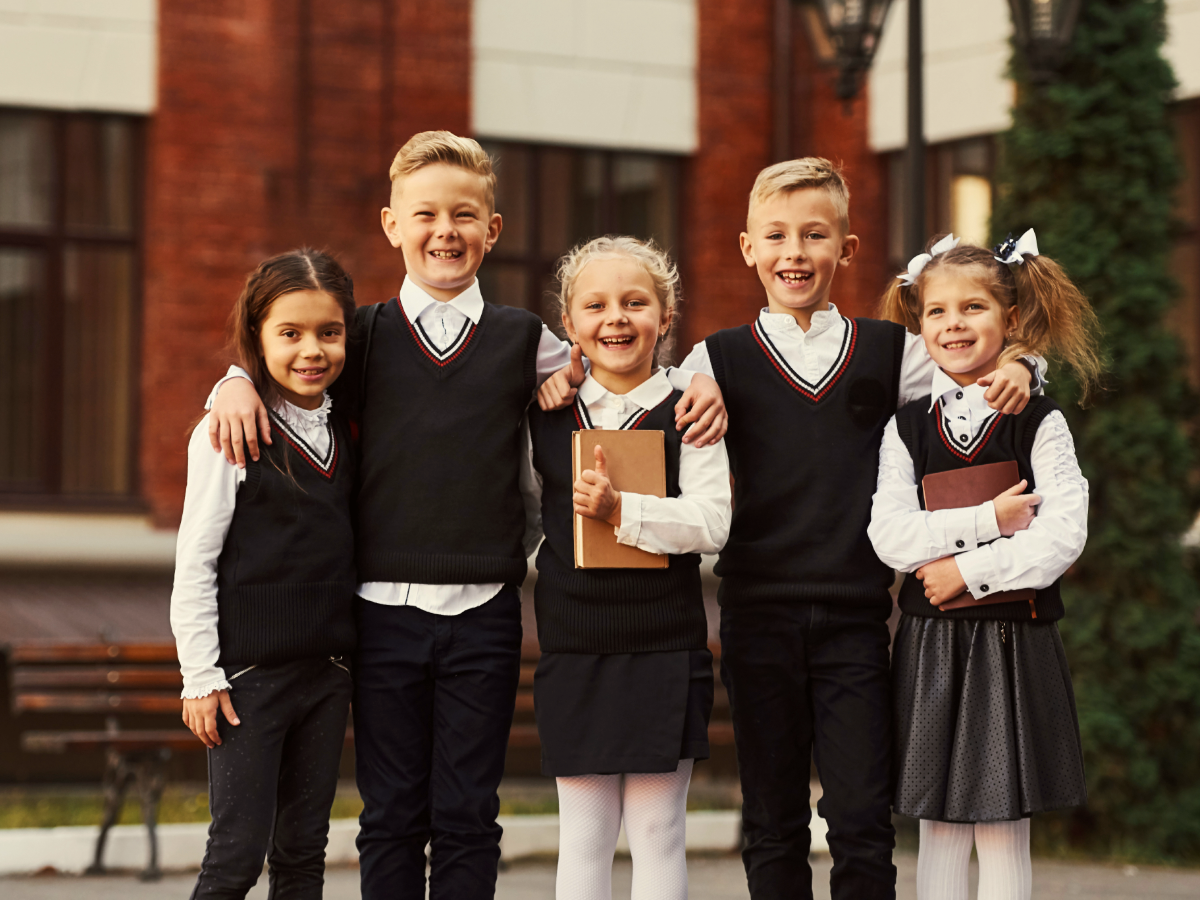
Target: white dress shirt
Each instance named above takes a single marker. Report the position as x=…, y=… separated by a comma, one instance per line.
x=814, y=352
x=697, y=521
x=442, y=323
x=208, y=505
x=906, y=537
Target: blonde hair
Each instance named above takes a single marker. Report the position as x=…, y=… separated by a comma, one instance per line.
x=654, y=261
x=430, y=147
x=1054, y=317
x=796, y=174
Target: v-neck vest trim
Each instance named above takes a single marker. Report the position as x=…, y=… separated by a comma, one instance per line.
x=584, y=421
x=326, y=465
x=973, y=448
x=440, y=358
x=808, y=390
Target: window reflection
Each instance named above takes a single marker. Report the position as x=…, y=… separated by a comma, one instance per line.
x=26, y=169
x=22, y=381
x=99, y=188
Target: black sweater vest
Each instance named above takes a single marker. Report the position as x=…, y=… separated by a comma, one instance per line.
x=441, y=442
x=805, y=459
x=1001, y=438
x=285, y=576
x=608, y=610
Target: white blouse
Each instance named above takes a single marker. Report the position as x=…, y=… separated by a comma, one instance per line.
x=814, y=352
x=208, y=505
x=906, y=537
x=697, y=521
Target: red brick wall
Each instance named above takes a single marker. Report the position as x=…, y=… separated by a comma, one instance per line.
x=252, y=152
x=735, y=82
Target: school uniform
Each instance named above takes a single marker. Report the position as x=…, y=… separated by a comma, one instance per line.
x=263, y=607
x=804, y=598
x=985, y=721
x=624, y=683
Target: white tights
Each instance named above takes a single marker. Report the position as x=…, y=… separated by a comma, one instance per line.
x=590, y=809
x=1005, y=872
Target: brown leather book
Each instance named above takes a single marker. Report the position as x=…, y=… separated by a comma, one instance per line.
x=636, y=463
x=971, y=486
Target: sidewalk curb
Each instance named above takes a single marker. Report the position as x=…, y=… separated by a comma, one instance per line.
x=69, y=849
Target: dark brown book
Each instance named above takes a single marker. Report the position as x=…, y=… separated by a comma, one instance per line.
x=967, y=487
x=636, y=463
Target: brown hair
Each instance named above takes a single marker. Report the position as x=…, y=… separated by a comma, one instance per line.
x=431, y=147
x=663, y=273
x=296, y=270
x=1054, y=316
x=796, y=174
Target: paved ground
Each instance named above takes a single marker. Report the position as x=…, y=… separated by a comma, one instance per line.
x=712, y=878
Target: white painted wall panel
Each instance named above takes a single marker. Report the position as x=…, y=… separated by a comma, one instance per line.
x=966, y=55
x=79, y=54
x=609, y=73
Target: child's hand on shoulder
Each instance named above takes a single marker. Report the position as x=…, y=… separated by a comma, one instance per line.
x=594, y=495
x=238, y=413
x=1014, y=510
x=200, y=716
x=560, y=388
x=942, y=580
x=704, y=405
x=1007, y=388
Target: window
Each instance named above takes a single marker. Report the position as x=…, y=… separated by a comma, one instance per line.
x=552, y=198
x=69, y=263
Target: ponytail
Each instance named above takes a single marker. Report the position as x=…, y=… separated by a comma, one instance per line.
x=901, y=303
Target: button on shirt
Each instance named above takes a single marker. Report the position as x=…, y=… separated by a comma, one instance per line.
x=906, y=536
x=697, y=521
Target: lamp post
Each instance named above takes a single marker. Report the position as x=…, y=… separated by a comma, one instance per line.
x=1043, y=29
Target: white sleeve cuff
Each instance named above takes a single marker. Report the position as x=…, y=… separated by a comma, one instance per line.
x=987, y=529
x=978, y=571
x=631, y=519
x=233, y=372
x=680, y=379
x=199, y=693
x=959, y=529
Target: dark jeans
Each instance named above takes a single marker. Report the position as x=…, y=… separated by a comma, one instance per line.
x=433, y=704
x=810, y=680
x=272, y=779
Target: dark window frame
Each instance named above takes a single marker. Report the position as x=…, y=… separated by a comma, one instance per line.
x=539, y=266
x=53, y=242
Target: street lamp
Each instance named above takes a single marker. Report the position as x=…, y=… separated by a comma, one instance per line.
x=1043, y=30
x=852, y=29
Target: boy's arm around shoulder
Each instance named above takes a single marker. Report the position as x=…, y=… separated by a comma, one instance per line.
x=1009, y=387
x=237, y=417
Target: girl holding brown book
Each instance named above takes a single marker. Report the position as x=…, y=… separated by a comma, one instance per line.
x=624, y=686
x=985, y=723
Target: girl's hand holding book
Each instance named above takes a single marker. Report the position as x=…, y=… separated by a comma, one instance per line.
x=236, y=420
x=201, y=716
x=594, y=495
x=942, y=580
x=1015, y=510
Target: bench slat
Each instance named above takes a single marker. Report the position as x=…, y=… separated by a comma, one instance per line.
x=97, y=702
x=161, y=652
x=148, y=739
x=117, y=677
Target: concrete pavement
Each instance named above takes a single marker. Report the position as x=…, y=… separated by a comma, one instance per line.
x=711, y=878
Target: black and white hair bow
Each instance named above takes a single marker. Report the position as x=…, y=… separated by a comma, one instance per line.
x=1012, y=251
x=918, y=262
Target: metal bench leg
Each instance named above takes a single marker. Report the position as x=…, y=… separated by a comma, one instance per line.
x=151, y=778
x=116, y=780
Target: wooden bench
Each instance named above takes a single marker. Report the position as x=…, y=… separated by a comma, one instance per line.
x=524, y=729
x=112, y=680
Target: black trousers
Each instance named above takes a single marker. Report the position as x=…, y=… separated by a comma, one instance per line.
x=272, y=779
x=433, y=705
x=810, y=681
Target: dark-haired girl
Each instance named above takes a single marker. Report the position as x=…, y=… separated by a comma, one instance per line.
x=264, y=586
x=985, y=723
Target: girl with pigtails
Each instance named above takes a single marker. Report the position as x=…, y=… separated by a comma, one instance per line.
x=986, y=730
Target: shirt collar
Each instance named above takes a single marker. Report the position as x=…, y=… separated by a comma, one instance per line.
x=647, y=395
x=415, y=300
x=296, y=416
x=822, y=321
x=944, y=385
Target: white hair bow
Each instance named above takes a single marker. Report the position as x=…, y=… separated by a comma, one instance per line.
x=1010, y=251
x=918, y=262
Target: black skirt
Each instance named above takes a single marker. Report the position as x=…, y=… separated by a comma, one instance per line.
x=605, y=714
x=985, y=721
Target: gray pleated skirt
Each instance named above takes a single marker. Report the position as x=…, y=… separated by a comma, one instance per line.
x=985, y=722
